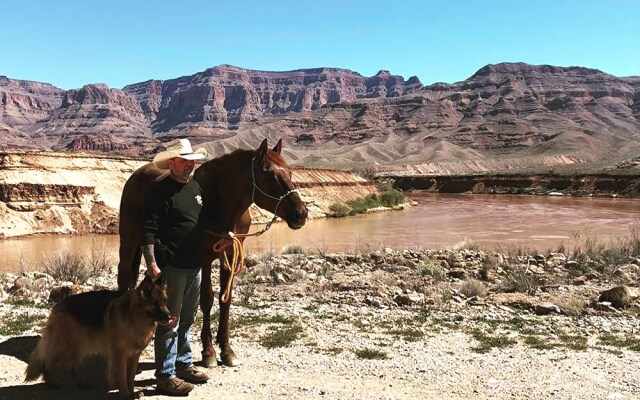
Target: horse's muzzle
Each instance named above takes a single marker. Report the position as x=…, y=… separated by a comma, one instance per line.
x=298, y=218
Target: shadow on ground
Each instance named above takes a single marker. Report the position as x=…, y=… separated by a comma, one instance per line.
x=93, y=374
x=19, y=347
x=41, y=391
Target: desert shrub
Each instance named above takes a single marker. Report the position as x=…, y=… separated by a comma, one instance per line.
x=368, y=172
x=472, y=287
x=468, y=244
x=489, y=264
x=570, y=303
x=487, y=342
x=339, y=210
x=590, y=254
x=519, y=281
x=67, y=266
x=293, y=249
x=383, y=277
x=432, y=269
x=358, y=206
x=371, y=354
x=99, y=260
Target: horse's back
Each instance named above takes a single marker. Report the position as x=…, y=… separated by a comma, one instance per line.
x=134, y=199
x=132, y=210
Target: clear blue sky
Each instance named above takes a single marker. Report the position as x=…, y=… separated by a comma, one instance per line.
x=70, y=43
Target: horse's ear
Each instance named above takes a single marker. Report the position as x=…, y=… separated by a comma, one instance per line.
x=262, y=150
x=278, y=147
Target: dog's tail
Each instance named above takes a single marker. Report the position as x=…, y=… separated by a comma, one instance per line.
x=35, y=369
x=36, y=366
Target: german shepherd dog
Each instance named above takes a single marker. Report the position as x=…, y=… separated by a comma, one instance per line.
x=112, y=324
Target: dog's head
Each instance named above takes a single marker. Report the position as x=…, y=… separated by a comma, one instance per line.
x=153, y=299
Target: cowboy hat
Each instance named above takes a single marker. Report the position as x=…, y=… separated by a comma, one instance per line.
x=178, y=148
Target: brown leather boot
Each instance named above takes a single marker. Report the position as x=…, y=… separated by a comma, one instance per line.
x=173, y=386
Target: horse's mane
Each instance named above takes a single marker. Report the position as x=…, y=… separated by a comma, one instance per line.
x=274, y=157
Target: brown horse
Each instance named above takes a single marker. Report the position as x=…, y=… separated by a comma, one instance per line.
x=230, y=184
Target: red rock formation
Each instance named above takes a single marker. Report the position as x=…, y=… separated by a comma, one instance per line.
x=24, y=102
x=91, y=110
x=226, y=96
x=510, y=110
x=105, y=143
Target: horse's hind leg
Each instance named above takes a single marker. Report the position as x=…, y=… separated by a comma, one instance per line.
x=129, y=265
x=227, y=356
x=206, y=303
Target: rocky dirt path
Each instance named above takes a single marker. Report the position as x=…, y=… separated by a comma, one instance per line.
x=440, y=367
x=355, y=327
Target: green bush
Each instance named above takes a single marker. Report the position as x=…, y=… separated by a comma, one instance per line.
x=358, y=206
x=339, y=210
x=391, y=197
x=388, y=198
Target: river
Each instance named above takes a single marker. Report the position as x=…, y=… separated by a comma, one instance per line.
x=437, y=221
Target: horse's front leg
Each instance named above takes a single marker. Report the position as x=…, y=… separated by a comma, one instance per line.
x=227, y=356
x=206, y=303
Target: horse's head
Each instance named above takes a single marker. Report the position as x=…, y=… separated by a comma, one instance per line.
x=272, y=186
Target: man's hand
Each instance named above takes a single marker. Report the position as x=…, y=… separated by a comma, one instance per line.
x=153, y=271
x=222, y=244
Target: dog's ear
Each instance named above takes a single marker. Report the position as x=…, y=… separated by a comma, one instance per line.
x=145, y=286
x=147, y=281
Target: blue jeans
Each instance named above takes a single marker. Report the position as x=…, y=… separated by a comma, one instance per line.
x=172, y=347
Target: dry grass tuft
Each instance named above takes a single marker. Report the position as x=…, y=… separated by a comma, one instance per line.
x=571, y=303
x=472, y=287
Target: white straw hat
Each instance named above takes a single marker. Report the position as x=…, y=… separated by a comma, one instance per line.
x=178, y=148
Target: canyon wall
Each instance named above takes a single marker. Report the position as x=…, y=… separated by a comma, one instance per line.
x=609, y=185
x=73, y=193
x=512, y=115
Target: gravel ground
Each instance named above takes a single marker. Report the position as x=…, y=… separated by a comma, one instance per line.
x=353, y=338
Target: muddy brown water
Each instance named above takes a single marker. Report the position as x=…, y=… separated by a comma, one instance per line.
x=437, y=221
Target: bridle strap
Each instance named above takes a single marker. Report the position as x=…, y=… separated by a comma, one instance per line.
x=253, y=193
x=255, y=186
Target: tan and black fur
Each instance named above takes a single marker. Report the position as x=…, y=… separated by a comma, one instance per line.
x=115, y=325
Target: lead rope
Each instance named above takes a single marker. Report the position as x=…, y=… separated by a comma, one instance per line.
x=237, y=262
x=238, y=253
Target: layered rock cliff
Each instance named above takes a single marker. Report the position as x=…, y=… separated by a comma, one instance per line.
x=93, y=110
x=226, y=96
x=22, y=103
x=522, y=116
x=80, y=193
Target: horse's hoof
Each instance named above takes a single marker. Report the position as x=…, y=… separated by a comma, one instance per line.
x=209, y=361
x=229, y=360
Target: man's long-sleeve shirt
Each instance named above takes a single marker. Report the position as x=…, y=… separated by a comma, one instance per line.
x=171, y=222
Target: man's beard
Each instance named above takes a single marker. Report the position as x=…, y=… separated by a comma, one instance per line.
x=184, y=176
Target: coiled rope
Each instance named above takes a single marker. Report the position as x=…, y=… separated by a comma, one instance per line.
x=235, y=267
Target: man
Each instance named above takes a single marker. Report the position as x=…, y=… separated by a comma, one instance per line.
x=169, y=239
